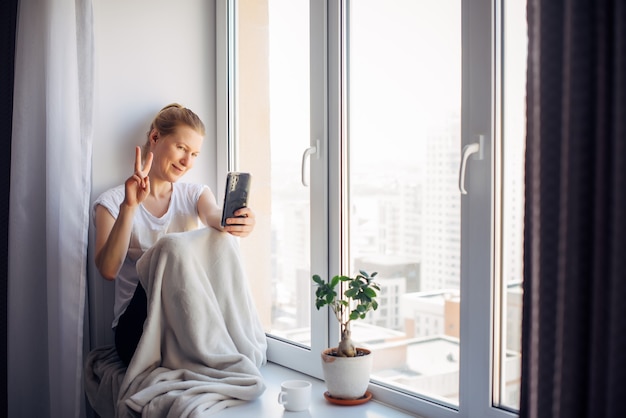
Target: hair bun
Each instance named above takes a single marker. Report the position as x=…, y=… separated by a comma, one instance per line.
x=175, y=105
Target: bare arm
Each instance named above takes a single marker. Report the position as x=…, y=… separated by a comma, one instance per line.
x=112, y=239
x=211, y=215
x=113, y=235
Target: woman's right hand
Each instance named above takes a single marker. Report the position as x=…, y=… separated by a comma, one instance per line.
x=137, y=186
x=113, y=234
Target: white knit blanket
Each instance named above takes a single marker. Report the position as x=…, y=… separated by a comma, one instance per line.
x=203, y=342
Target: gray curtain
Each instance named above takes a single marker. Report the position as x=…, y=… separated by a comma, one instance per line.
x=574, y=323
x=50, y=185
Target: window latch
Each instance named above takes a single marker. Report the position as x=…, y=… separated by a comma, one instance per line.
x=305, y=157
x=468, y=151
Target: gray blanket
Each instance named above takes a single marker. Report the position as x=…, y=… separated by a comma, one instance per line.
x=203, y=343
x=104, y=372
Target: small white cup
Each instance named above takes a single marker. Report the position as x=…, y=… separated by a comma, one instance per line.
x=295, y=395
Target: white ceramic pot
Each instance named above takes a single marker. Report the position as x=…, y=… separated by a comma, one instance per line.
x=347, y=377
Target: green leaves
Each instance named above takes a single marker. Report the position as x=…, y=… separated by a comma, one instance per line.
x=325, y=293
x=363, y=291
x=317, y=279
x=360, y=296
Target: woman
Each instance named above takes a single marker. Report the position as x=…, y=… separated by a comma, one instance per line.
x=130, y=218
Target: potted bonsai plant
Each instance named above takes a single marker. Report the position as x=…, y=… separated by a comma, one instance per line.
x=346, y=367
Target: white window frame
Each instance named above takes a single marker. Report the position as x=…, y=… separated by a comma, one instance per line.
x=479, y=22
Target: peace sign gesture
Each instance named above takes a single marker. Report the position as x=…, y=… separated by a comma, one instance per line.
x=137, y=186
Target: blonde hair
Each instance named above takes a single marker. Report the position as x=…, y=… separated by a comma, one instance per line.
x=168, y=119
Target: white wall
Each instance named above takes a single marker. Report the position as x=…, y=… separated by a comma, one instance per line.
x=148, y=53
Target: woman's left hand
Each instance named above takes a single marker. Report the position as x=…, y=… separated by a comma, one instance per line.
x=242, y=224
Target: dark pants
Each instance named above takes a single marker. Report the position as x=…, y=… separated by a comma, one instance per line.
x=130, y=325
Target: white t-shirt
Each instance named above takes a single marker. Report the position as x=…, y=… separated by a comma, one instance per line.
x=182, y=215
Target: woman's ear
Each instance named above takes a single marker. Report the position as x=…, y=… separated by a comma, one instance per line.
x=154, y=135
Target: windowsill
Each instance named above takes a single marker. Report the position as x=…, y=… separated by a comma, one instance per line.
x=267, y=405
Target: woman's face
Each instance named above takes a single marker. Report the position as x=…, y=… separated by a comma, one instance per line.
x=174, y=154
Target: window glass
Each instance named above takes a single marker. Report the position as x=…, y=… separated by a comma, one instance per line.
x=404, y=142
x=271, y=132
x=392, y=112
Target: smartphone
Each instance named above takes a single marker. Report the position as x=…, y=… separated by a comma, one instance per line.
x=236, y=194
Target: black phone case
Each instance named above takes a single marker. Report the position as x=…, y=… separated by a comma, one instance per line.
x=236, y=194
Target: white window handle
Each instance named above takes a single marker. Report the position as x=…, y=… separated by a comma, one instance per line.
x=307, y=152
x=468, y=150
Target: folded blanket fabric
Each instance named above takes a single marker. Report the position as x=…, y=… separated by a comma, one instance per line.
x=203, y=342
x=104, y=372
